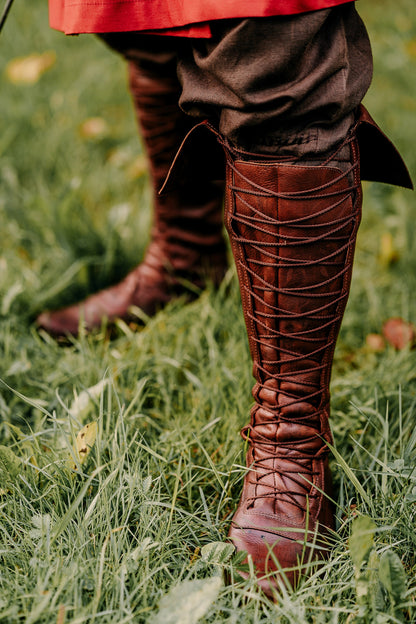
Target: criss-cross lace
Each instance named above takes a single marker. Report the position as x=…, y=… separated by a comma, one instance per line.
x=293, y=239
x=266, y=472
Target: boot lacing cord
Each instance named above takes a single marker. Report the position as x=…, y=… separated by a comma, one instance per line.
x=321, y=319
x=302, y=465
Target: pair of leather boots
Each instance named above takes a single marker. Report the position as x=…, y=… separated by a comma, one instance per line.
x=292, y=227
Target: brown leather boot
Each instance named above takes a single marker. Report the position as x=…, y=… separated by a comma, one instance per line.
x=293, y=229
x=187, y=245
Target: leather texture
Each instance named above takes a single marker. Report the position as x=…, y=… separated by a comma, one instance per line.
x=380, y=161
x=187, y=245
x=292, y=229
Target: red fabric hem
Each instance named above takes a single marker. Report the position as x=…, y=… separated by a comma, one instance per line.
x=177, y=17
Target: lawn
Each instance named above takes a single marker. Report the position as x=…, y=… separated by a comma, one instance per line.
x=137, y=532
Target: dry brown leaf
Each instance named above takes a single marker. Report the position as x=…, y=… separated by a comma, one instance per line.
x=28, y=69
x=399, y=333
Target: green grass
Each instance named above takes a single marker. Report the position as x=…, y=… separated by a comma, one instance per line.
x=115, y=542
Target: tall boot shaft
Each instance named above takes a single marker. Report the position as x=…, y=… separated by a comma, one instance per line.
x=292, y=228
x=191, y=215
x=187, y=246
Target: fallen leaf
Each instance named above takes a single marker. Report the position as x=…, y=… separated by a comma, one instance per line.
x=388, y=253
x=83, y=402
x=83, y=444
x=94, y=128
x=28, y=69
x=411, y=48
x=399, y=333
x=375, y=342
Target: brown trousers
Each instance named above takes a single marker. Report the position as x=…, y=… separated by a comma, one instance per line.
x=287, y=85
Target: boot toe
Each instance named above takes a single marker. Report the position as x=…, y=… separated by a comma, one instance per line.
x=281, y=555
x=59, y=323
x=276, y=558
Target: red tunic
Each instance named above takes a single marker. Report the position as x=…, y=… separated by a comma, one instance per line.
x=175, y=17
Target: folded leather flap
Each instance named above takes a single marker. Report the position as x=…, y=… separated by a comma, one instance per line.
x=380, y=160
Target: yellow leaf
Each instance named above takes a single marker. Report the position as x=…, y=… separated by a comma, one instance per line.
x=375, y=342
x=28, y=69
x=83, y=444
x=411, y=48
x=94, y=128
x=388, y=253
